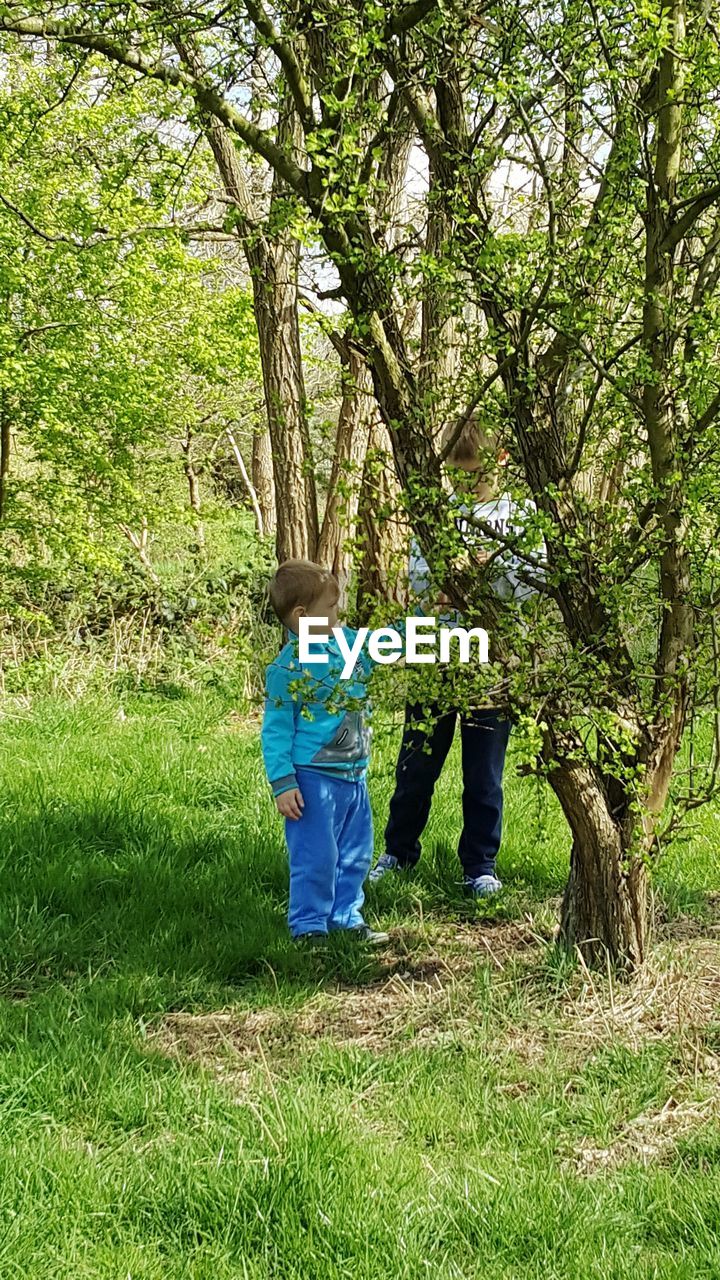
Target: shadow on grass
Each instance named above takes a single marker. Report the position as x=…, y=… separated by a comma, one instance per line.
x=435, y=887
x=683, y=913
x=128, y=894
x=191, y=904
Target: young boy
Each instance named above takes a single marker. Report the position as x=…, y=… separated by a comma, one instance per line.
x=315, y=745
x=484, y=733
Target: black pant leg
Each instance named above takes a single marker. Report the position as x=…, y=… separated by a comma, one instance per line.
x=422, y=756
x=484, y=744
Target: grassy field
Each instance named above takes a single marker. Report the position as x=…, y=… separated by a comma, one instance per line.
x=186, y=1094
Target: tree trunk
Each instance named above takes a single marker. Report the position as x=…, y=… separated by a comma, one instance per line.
x=277, y=318
x=339, y=526
x=273, y=264
x=279, y=340
x=348, y=516
x=193, y=480
x=382, y=572
x=250, y=487
x=140, y=543
x=439, y=341
x=606, y=905
x=262, y=479
x=4, y=451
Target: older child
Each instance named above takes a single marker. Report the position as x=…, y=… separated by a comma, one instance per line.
x=315, y=743
x=484, y=732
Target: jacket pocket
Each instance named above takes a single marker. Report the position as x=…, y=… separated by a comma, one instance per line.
x=349, y=743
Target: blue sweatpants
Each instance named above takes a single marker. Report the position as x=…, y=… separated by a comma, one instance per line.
x=330, y=853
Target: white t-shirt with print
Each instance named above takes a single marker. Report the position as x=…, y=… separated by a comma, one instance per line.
x=509, y=519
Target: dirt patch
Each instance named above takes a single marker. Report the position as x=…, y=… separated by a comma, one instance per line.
x=377, y=1017
x=429, y=996
x=423, y=997
x=426, y=996
x=682, y=927
x=458, y=948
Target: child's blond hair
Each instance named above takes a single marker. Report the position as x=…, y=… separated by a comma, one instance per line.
x=470, y=449
x=298, y=582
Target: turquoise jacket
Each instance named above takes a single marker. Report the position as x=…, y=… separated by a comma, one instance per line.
x=313, y=718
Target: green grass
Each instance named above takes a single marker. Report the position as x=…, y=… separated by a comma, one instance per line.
x=346, y=1115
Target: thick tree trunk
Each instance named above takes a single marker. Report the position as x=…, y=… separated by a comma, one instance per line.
x=277, y=318
x=439, y=340
x=606, y=906
x=607, y=920
x=279, y=339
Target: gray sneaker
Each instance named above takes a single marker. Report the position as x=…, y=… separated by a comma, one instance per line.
x=483, y=886
x=373, y=937
x=386, y=862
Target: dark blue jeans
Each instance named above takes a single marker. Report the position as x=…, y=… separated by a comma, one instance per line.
x=484, y=739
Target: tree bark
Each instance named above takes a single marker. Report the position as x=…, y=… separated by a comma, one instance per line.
x=383, y=565
x=247, y=482
x=439, y=340
x=606, y=905
x=273, y=264
x=275, y=293
x=193, y=481
x=5, y=439
x=139, y=543
x=262, y=479
x=335, y=546
x=666, y=411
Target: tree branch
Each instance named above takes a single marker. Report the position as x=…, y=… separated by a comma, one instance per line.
x=287, y=58
x=32, y=226
x=710, y=413
x=553, y=358
x=678, y=230
x=205, y=94
x=600, y=368
x=409, y=16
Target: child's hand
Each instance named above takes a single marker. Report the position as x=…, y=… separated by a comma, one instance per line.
x=290, y=804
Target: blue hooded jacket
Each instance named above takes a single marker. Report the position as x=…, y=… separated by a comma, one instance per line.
x=313, y=718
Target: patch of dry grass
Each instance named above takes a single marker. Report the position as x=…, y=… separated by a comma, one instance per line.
x=430, y=995
x=648, y=1138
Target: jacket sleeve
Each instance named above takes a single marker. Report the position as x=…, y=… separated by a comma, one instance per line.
x=278, y=730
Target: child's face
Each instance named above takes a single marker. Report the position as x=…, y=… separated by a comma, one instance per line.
x=482, y=473
x=327, y=604
x=473, y=474
x=324, y=606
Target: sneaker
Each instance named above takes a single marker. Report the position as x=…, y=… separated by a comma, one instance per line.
x=386, y=862
x=373, y=937
x=309, y=937
x=483, y=886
